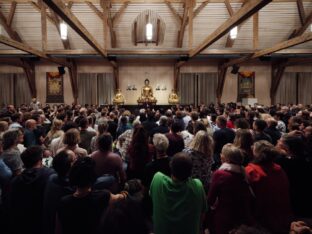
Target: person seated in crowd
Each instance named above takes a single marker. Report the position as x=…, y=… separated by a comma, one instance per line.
x=229, y=193
x=259, y=126
x=11, y=153
x=107, y=162
x=176, y=142
x=57, y=187
x=221, y=137
x=179, y=201
x=85, y=135
x=26, y=193
x=201, y=153
x=81, y=211
x=71, y=140
x=268, y=181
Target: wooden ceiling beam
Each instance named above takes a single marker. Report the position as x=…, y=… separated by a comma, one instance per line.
x=44, y=36
x=229, y=41
x=244, y=13
x=95, y=10
x=120, y=12
x=106, y=5
x=301, y=11
x=151, y=1
x=304, y=27
x=183, y=25
x=177, y=16
x=279, y=46
x=59, y=8
x=256, y=31
x=38, y=8
x=12, y=13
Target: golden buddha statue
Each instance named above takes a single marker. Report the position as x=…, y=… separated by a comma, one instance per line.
x=147, y=94
x=173, y=98
x=119, y=98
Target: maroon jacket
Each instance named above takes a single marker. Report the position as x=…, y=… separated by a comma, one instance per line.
x=229, y=193
x=270, y=185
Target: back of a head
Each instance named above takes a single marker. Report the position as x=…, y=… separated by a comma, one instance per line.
x=231, y=154
x=163, y=121
x=264, y=152
x=102, y=125
x=69, y=125
x=105, y=142
x=176, y=127
x=295, y=144
x=62, y=163
x=71, y=137
x=160, y=142
x=221, y=120
x=241, y=123
x=202, y=143
x=10, y=138
x=82, y=173
x=31, y=156
x=181, y=166
x=260, y=124
x=83, y=123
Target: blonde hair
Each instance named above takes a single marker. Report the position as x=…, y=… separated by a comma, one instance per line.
x=203, y=143
x=259, y=146
x=56, y=125
x=231, y=154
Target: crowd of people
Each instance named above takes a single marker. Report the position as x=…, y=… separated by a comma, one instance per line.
x=183, y=170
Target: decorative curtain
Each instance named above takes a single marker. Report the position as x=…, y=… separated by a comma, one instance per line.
x=304, y=88
x=187, y=88
x=197, y=88
x=6, y=88
x=22, y=93
x=105, y=88
x=87, y=88
x=207, y=85
x=287, y=89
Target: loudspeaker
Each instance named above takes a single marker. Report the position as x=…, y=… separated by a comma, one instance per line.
x=61, y=70
x=265, y=58
x=235, y=69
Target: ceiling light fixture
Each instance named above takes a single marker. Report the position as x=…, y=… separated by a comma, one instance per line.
x=149, y=31
x=233, y=33
x=64, y=30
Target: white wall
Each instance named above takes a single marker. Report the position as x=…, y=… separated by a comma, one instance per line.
x=160, y=72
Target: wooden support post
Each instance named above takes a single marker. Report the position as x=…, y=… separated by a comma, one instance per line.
x=276, y=76
x=221, y=80
x=116, y=77
x=176, y=75
x=256, y=31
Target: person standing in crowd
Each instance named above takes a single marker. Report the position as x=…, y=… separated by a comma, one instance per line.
x=268, y=181
x=57, y=187
x=85, y=135
x=229, y=193
x=298, y=169
x=140, y=153
x=201, y=153
x=259, y=126
x=179, y=202
x=11, y=154
x=221, y=137
x=81, y=211
x=244, y=141
x=27, y=193
x=176, y=142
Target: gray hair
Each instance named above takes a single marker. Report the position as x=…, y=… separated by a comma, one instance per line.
x=160, y=142
x=136, y=122
x=163, y=120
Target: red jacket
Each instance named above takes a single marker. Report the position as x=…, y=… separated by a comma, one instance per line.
x=270, y=185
